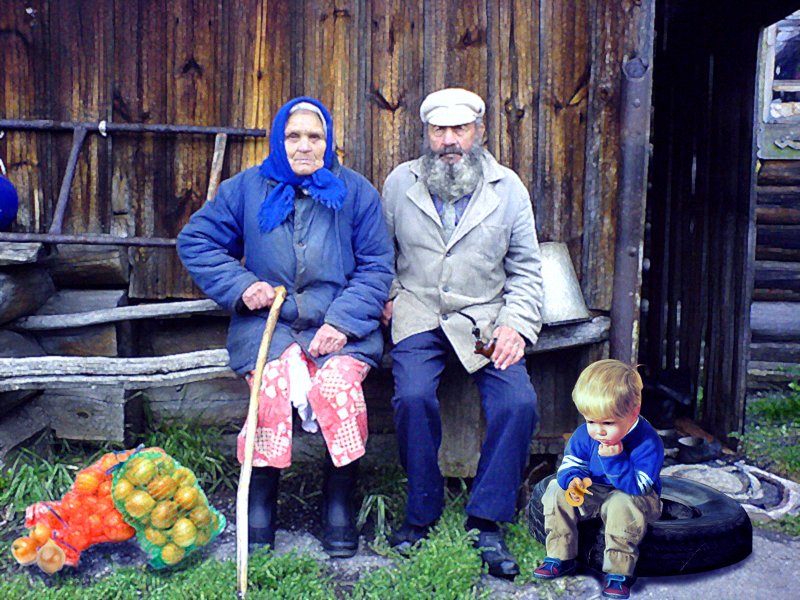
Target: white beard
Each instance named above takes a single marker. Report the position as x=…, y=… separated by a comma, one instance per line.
x=452, y=181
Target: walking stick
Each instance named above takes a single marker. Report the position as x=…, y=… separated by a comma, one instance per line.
x=243, y=493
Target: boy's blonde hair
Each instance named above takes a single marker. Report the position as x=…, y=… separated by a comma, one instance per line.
x=608, y=388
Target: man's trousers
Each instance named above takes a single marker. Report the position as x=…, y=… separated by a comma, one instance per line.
x=509, y=406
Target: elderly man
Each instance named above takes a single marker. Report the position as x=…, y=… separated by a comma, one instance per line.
x=303, y=221
x=468, y=270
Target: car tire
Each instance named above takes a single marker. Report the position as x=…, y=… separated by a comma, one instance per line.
x=700, y=529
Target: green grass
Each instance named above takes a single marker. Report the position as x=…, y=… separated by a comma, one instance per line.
x=789, y=525
x=772, y=436
x=288, y=576
x=445, y=566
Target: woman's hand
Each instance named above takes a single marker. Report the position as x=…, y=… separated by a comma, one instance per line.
x=327, y=339
x=259, y=295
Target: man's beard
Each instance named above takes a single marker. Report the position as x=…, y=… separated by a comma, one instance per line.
x=452, y=181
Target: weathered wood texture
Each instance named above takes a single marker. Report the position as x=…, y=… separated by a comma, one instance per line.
x=86, y=413
x=73, y=266
x=702, y=205
x=548, y=70
x=18, y=253
x=22, y=291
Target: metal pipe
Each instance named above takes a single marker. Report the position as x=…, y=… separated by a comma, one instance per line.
x=635, y=117
x=97, y=239
x=104, y=127
x=63, y=196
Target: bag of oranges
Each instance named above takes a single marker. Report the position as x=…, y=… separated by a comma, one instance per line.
x=161, y=499
x=86, y=515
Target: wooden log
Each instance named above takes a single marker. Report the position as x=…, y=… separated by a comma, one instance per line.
x=212, y=402
x=779, y=172
x=63, y=340
x=17, y=345
x=788, y=352
x=129, y=373
x=776, y=295
x=86, y=413
x=175, y=336
x=123, y=313
x=778, y=236
x=21, y=424
x=774, y=321
x=779, y=254
x=17, y=253
x=771, y=375
x=778, y=205
x=22, y=291
x=84, y=266
x=775, y=275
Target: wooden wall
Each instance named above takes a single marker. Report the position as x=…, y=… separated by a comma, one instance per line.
x=700, y=244
x=549, y=71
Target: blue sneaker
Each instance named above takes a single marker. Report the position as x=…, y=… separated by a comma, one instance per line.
x=618, y=586
x=553, y=567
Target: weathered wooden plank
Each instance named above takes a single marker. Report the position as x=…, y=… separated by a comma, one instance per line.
x=213, y=402
x=778, y=236
x=564, y=76
x=23, y=290
x=111, y=315
x=18, y=253
x=97, y=340
x=778, y=205
x=775, y=321
x=261, y=69
x=776, y=295
x=81, y=92
x=86, y=413
x=788, y=352
x=176, y=336
x=78, y=265
x=775, y=275
x=22, y=76
x=771, y=375
x=779, y=172
x=21, y=424
x=395, y=88
x=513, y=83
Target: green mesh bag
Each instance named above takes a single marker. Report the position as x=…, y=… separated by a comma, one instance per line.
x=161, y=499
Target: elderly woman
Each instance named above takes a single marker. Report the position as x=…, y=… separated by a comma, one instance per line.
x=303, y=221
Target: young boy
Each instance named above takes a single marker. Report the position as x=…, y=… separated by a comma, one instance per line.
x=622, y=455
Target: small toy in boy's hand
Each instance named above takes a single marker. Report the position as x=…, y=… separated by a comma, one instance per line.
x=576, y=490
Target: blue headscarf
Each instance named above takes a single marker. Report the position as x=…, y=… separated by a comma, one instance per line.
x=323, y=186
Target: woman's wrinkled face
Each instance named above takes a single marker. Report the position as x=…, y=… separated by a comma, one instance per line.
x=304, y=141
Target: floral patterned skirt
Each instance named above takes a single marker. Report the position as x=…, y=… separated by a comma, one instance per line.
x=335, y=395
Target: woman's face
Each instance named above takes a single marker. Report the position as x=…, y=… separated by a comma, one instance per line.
x=304, y=140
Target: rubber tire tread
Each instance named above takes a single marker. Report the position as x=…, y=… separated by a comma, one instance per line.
x=720, y=533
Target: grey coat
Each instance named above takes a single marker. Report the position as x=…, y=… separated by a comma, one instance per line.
x=490, y=269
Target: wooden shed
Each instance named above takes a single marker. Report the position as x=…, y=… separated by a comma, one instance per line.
x=134, y=97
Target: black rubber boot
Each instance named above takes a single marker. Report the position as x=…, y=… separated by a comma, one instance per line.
x=339, y=535
x=263, y=506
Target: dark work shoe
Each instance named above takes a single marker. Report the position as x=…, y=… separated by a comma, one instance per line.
x=496, y=555
x=262, y=507
x=553, y=567
x=618, y=586
x=339, y=535
x=406, y=537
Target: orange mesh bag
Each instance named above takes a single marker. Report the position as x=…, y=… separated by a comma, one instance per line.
x=163, y=502
x=86, y=515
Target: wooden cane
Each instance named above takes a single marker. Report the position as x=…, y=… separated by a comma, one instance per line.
x=243, y=492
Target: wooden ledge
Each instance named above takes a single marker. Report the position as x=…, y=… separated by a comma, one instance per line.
x=46, y=372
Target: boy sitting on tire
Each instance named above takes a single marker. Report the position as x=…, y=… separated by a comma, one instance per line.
x=618, y=454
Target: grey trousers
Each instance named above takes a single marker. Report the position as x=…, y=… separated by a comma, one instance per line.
x=625, y=518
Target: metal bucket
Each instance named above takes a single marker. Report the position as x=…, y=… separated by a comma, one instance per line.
x=563, y=300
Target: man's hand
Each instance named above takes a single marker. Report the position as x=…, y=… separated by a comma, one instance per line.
x=388, y=308
x=259, y=295
x=327, y=339
x=605, y=450
x=509, y=347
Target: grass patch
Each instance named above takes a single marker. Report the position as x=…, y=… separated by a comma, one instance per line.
x=199, y=448
x=288, y=576
x=772, y=436
x=789, y=525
